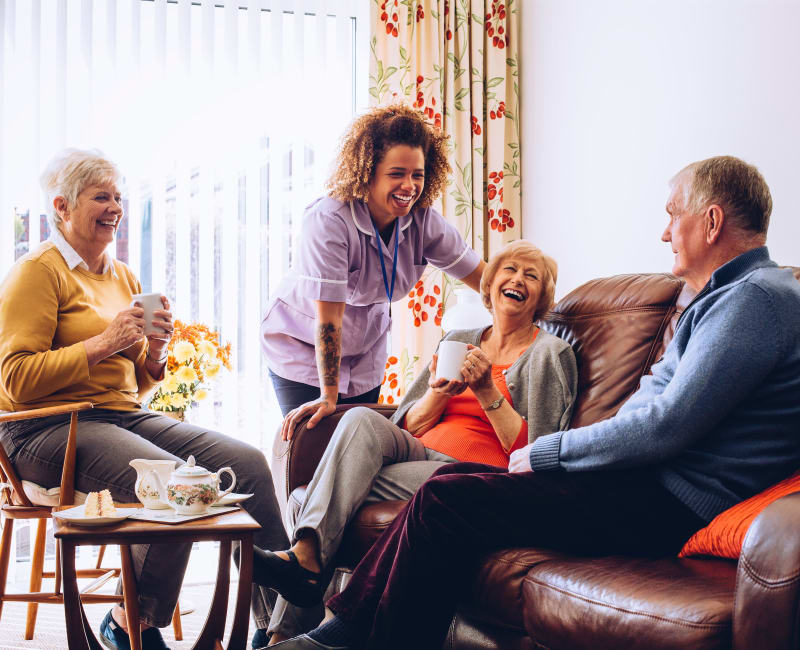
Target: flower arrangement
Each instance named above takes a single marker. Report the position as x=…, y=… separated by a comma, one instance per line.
x=195, y=356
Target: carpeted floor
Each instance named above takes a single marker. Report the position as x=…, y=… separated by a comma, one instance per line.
x=50, y=631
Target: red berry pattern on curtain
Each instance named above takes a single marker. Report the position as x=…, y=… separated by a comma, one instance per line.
x=457, y=62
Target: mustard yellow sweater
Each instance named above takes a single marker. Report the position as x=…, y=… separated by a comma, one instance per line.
x=46, y=312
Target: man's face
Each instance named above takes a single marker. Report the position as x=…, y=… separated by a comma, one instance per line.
x=685, y=232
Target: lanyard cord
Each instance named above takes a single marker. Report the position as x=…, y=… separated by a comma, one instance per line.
x=389, y=291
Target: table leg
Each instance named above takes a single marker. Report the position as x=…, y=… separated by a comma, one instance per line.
x=130, y=595
x=77, y=630
x=214, y=628
x=241, y=617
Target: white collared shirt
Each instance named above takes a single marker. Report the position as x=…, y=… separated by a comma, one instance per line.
x=71, y=256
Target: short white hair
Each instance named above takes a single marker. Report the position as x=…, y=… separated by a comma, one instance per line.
x=70, y=172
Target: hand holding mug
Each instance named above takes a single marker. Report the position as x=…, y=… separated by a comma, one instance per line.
x=442, y=385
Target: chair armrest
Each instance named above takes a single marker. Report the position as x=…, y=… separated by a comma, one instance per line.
x=67, y=492
x=766, y=610
x=47, y=411
x=293, y=462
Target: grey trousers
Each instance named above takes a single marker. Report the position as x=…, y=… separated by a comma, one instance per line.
x=107, y=440
x=368, y=459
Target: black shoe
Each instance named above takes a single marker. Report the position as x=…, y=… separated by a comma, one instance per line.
x=260, y=639
x=305, y=642
x=299, y=586
x=112, y=636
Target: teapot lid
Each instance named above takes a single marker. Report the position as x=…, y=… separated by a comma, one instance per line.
x=190, y=469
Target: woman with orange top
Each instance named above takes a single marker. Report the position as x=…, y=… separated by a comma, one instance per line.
x=518, y=383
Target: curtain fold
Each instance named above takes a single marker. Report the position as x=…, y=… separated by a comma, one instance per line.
x=457, y=61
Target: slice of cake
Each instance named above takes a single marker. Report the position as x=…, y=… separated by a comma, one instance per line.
x=99, y=504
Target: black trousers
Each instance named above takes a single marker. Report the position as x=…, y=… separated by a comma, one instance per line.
x=404, y=592
x=292, y=394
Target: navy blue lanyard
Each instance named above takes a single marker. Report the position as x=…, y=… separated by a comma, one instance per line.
x=389, y=291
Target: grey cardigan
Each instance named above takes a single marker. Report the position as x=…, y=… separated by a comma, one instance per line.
x=542, y=382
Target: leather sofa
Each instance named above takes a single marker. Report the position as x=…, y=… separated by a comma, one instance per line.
x=539, y=598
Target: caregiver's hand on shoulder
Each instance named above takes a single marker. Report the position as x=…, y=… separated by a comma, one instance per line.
x=318, y=409
x=442, y=386
x=520, y=460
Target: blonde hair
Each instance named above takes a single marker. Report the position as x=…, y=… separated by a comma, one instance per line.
x=70, y=172
x=524, y=249
x=371, y=135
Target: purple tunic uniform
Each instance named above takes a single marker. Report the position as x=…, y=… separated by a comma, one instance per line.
x=338, y=262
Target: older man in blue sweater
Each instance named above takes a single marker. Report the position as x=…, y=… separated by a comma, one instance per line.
x=716, y=422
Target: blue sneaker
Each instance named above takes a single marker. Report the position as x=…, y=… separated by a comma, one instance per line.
x=113, y=637
x=260, y=639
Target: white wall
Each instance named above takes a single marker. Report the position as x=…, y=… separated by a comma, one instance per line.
x=618, y=95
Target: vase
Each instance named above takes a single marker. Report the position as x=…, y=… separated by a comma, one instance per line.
x=179, y=415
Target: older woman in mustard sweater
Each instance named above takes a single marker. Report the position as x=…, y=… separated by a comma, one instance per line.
x=67, y=334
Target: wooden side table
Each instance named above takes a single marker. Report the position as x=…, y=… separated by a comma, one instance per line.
x=225, y=528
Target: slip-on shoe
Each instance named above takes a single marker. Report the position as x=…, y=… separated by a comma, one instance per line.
x=305, y=642
x=112, y=636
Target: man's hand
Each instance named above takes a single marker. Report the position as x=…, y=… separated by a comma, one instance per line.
x=319, y=407
x=520, y=460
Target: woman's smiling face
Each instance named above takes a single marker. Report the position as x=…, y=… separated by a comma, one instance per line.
x=516, y=287
x=92, y=222
x=396, y=184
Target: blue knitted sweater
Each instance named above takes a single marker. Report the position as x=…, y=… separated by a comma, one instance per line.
x=718, y=420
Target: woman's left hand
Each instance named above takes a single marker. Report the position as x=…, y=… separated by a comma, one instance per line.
x=477, y=369
x=162, y=321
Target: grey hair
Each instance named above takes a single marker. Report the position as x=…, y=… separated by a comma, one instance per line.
x=70, y=172
x=736, y=185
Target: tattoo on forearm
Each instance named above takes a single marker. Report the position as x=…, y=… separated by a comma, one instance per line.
x=329, y=350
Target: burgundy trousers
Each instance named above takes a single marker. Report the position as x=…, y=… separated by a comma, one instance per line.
x=404, y=592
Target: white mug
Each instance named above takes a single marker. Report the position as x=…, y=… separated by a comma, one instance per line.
x=450, y=360
x=149, y=302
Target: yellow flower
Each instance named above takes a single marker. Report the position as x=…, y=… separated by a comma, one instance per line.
x=213, y=369
x=178, y=401
x=186, y=374
x=170, y=383
x=184, y=351
x=200, y=394
x=208, y=349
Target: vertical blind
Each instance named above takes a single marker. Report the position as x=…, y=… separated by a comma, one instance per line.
x=222, y=116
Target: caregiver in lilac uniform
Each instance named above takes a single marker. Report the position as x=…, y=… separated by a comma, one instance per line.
x=366, y=244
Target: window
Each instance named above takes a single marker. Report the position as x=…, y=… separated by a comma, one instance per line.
x=222, y=116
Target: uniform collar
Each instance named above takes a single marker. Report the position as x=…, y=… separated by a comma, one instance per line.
x=71, y=256
x=363, y=222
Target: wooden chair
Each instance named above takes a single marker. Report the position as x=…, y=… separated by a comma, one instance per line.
x=15, y=503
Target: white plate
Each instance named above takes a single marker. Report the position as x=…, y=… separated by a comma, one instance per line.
x=78, y=517
x=231, y=498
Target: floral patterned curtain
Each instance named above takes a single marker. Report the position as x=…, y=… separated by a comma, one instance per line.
x=457, y=61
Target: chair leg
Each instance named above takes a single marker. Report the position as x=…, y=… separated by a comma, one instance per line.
x=5, y=556
x=37, y=564
x=100, y=553
x=177, y=627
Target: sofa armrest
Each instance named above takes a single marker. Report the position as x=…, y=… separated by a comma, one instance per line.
x=293, y=462
x=766, y=610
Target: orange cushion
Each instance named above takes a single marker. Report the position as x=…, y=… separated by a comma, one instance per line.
x=724, y=536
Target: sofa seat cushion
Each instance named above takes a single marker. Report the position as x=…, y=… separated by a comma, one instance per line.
x=495, y=595
x=630, y=603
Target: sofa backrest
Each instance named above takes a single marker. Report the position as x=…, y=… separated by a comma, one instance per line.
x=618, y=327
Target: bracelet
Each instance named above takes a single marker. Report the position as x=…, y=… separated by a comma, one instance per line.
x=494, y=405
x=158, y=361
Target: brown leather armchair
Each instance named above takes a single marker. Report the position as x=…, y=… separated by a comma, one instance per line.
x=538, y=598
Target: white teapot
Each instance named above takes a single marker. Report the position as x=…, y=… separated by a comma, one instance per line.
x=146, y=491
x=191, y=489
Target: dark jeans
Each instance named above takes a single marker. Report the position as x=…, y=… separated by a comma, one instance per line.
x=292, y=394
x=403, y=594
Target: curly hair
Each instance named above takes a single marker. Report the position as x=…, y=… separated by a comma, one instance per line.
x=371, y=135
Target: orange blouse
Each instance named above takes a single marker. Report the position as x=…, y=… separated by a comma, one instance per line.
x=465, y=432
